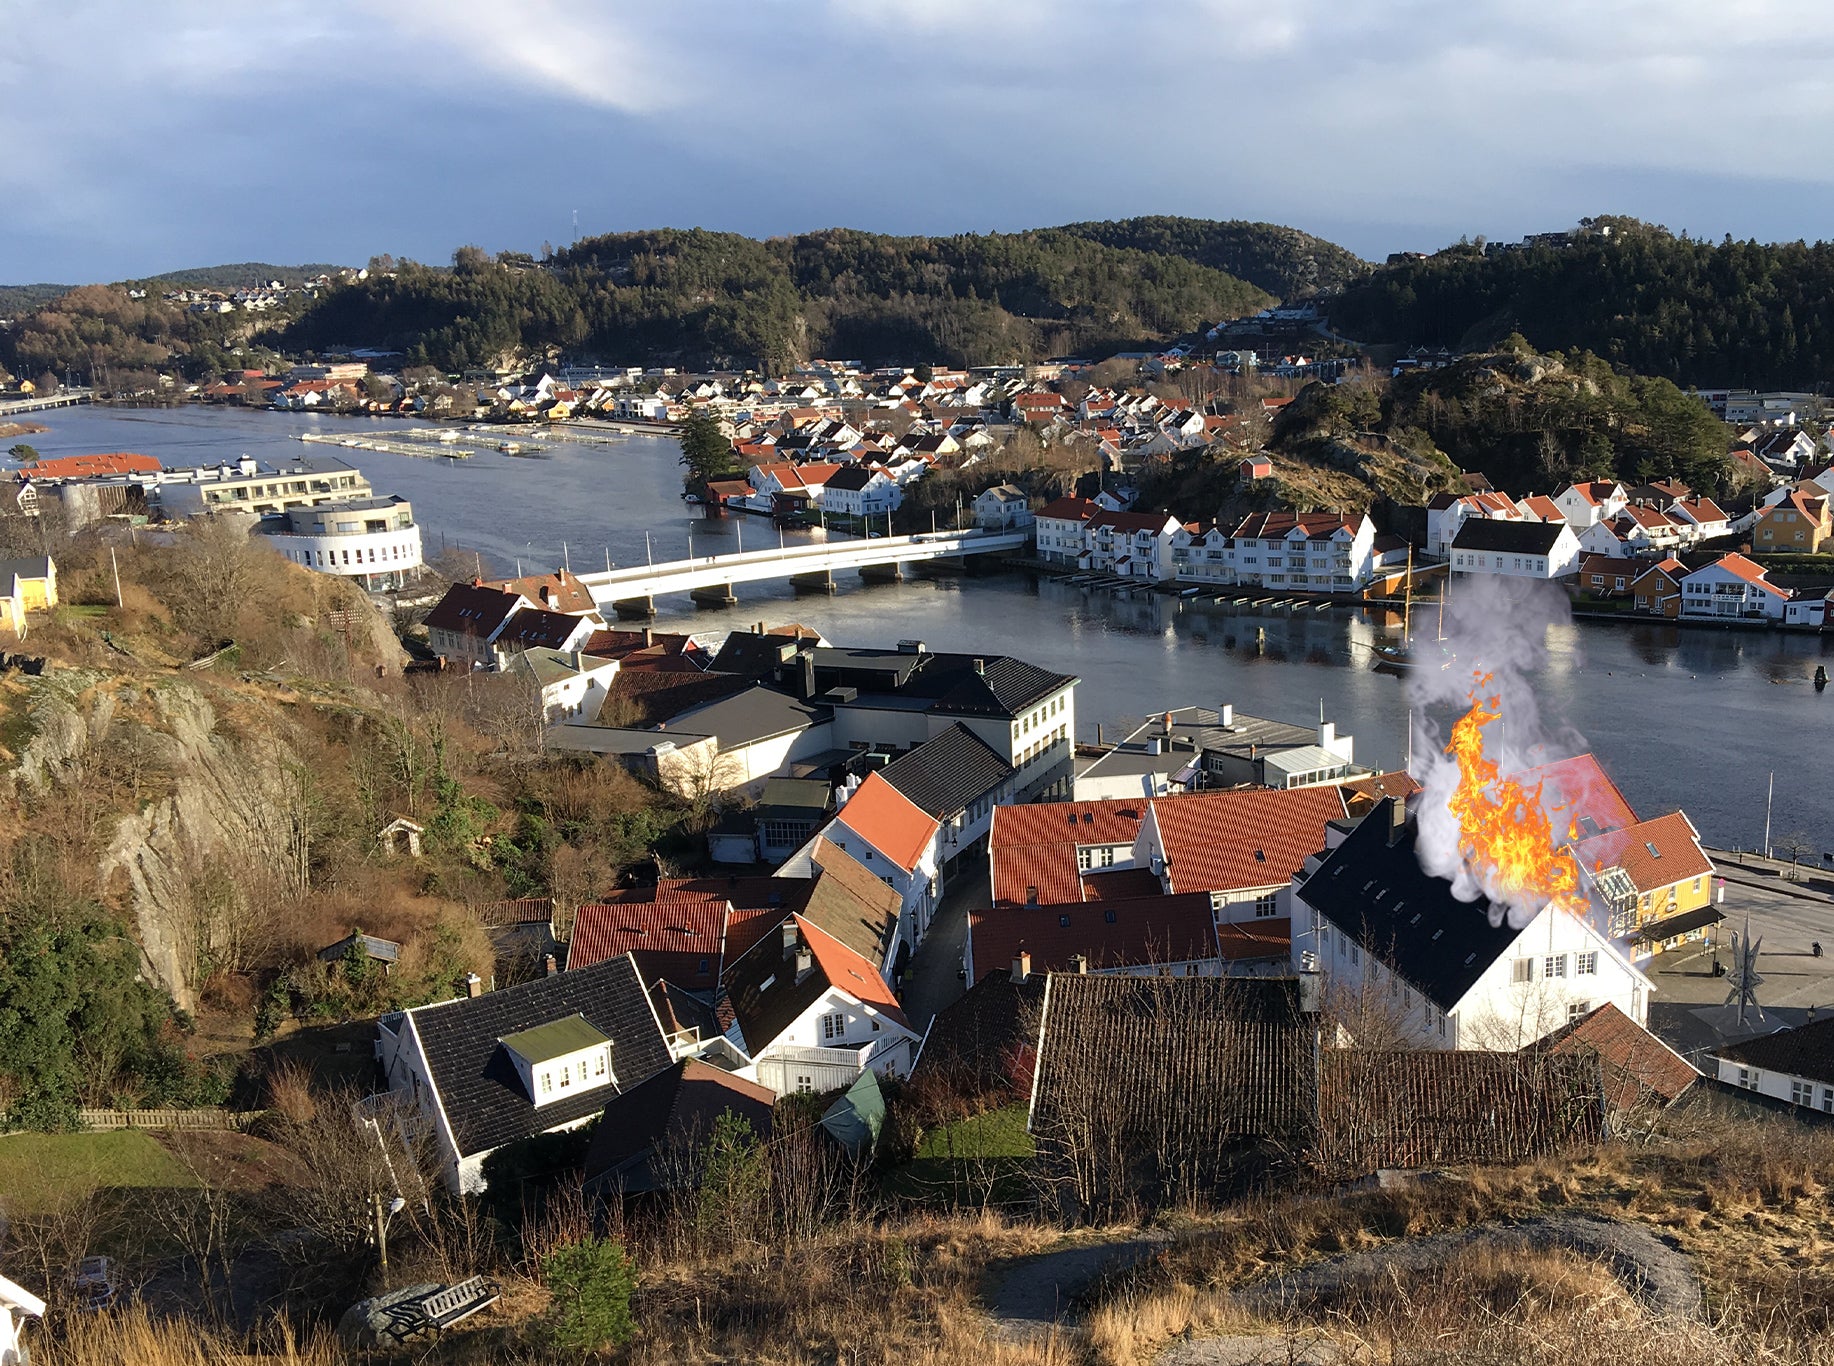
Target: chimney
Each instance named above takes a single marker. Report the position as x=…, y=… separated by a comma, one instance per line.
x=980, y=666
x=547, y=596
x=649, y=637
x=1031, y=896
x=474, y=986
x=548, y=966
x=805, y=677
x=1079, y=965
x=477, y=581
x=805, y=963
x=1022, y=966
x=1327, y=734
x=791, y=937
x=1226, y=717
x=1165, y=725
x=579, y=661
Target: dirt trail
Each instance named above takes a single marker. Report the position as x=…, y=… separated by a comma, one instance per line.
x=1030, y=1297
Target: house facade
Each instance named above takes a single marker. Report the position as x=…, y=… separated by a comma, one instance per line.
x=1401, y=953
x=810, y=1014
x=492, y=1068
x=1798, y=523
x=1060, y=526
x=1792, y=1065
x=1657, y=590
x=1134, y=545
x=1732, y=588
x=1521, y=550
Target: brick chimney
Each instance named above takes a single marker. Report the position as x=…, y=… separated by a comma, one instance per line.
x=1022, y=966
x=548, y=966
x=474, y=986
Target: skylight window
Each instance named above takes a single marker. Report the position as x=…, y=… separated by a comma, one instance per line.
x=1653, y=851
x=1063, y=922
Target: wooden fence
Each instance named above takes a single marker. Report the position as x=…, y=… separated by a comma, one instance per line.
x=167, y=1119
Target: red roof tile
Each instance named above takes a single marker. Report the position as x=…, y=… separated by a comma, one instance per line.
x=1577, y=789
x=1224, y=841
x=1656, y=853
x=89, y=466
x=1636, y=1063
x=848, y=970
x=889, y=821
x=1032, y=847
x=679, y=940
x=1110, y=934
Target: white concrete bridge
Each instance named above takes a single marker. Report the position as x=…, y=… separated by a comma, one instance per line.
x=63, y=398
x=710, y=579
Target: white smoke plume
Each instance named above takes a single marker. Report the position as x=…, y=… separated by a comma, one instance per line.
x=1495, y=626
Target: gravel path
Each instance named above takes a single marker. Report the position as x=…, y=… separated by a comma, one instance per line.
x=1660, y=1277
x=1030, y=1297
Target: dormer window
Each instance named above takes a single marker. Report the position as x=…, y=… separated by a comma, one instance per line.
x=560, y=1057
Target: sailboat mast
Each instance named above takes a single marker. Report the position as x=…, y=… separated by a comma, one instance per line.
x=1407, y=600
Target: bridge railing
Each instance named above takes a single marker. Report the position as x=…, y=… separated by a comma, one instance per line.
x=890, y=547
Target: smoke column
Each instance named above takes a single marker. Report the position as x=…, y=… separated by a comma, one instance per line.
x=1498, y=626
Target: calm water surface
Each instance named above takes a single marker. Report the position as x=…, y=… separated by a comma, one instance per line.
x=1692, y=718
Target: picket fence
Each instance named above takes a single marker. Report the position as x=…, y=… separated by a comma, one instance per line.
x=167, y=1119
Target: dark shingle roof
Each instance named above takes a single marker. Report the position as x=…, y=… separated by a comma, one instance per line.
x=1376, y=891
x=1805, y=1051
x=1431, y=1108
x=1516, y=538
x=650, y=1135
x=535, y=627
x=478, y=1084
x=1166, y=1059
x=949, y=773
x=471, y=610
x=987, y=1040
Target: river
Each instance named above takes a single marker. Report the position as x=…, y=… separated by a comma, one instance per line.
x=1691, y=717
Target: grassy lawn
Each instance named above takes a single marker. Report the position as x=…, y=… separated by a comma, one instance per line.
x=39, y=1171
x=981, y=1159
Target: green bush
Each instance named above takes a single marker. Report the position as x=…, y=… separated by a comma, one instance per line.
x=591, y=1282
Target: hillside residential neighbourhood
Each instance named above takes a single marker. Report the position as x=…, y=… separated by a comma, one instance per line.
x=711, y=935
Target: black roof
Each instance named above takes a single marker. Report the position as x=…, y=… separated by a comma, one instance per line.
x=948, y=773
x=1374, y=889
x=996, y=685
x=758, y=713
x=754, y=656
x=472, y=609
x=1805, y=1051
x=651, y=1135
x=984, y=1040
x=478, y=1085
x=765, y=995
x=1515, y=538
x=536, y=626
x=853, y=479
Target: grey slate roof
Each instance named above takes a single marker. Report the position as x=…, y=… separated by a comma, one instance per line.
x=753, y=715
x=948, y=773
x=1805, y=1051
x=468, y=609
x=31, y=567
x=478, y=1084
x=1512, y=538
x=1375, y=891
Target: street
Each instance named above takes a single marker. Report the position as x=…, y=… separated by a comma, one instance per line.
x=935, y=978
x=1787, y=918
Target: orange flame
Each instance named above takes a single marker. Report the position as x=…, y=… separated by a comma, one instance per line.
x=1504, y=833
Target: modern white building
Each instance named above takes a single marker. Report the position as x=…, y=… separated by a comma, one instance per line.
x=250, y=486
x=373, y=540
x=1306, y=552
x=1733, y=587
x=1134, y=545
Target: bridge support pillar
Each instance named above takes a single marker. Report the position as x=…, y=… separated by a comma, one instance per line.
x=818, y=581
x=882, y=573
x=635, y=609
x=713, y=595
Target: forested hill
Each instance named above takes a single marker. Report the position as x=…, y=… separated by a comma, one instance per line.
x=1283, y=261
x=238, y=276
x=1695, y=312
x=696, y=297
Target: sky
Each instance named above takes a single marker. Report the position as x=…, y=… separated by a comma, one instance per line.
x=147, y=137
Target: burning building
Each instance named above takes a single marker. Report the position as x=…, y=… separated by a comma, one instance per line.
x=1410, y=959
